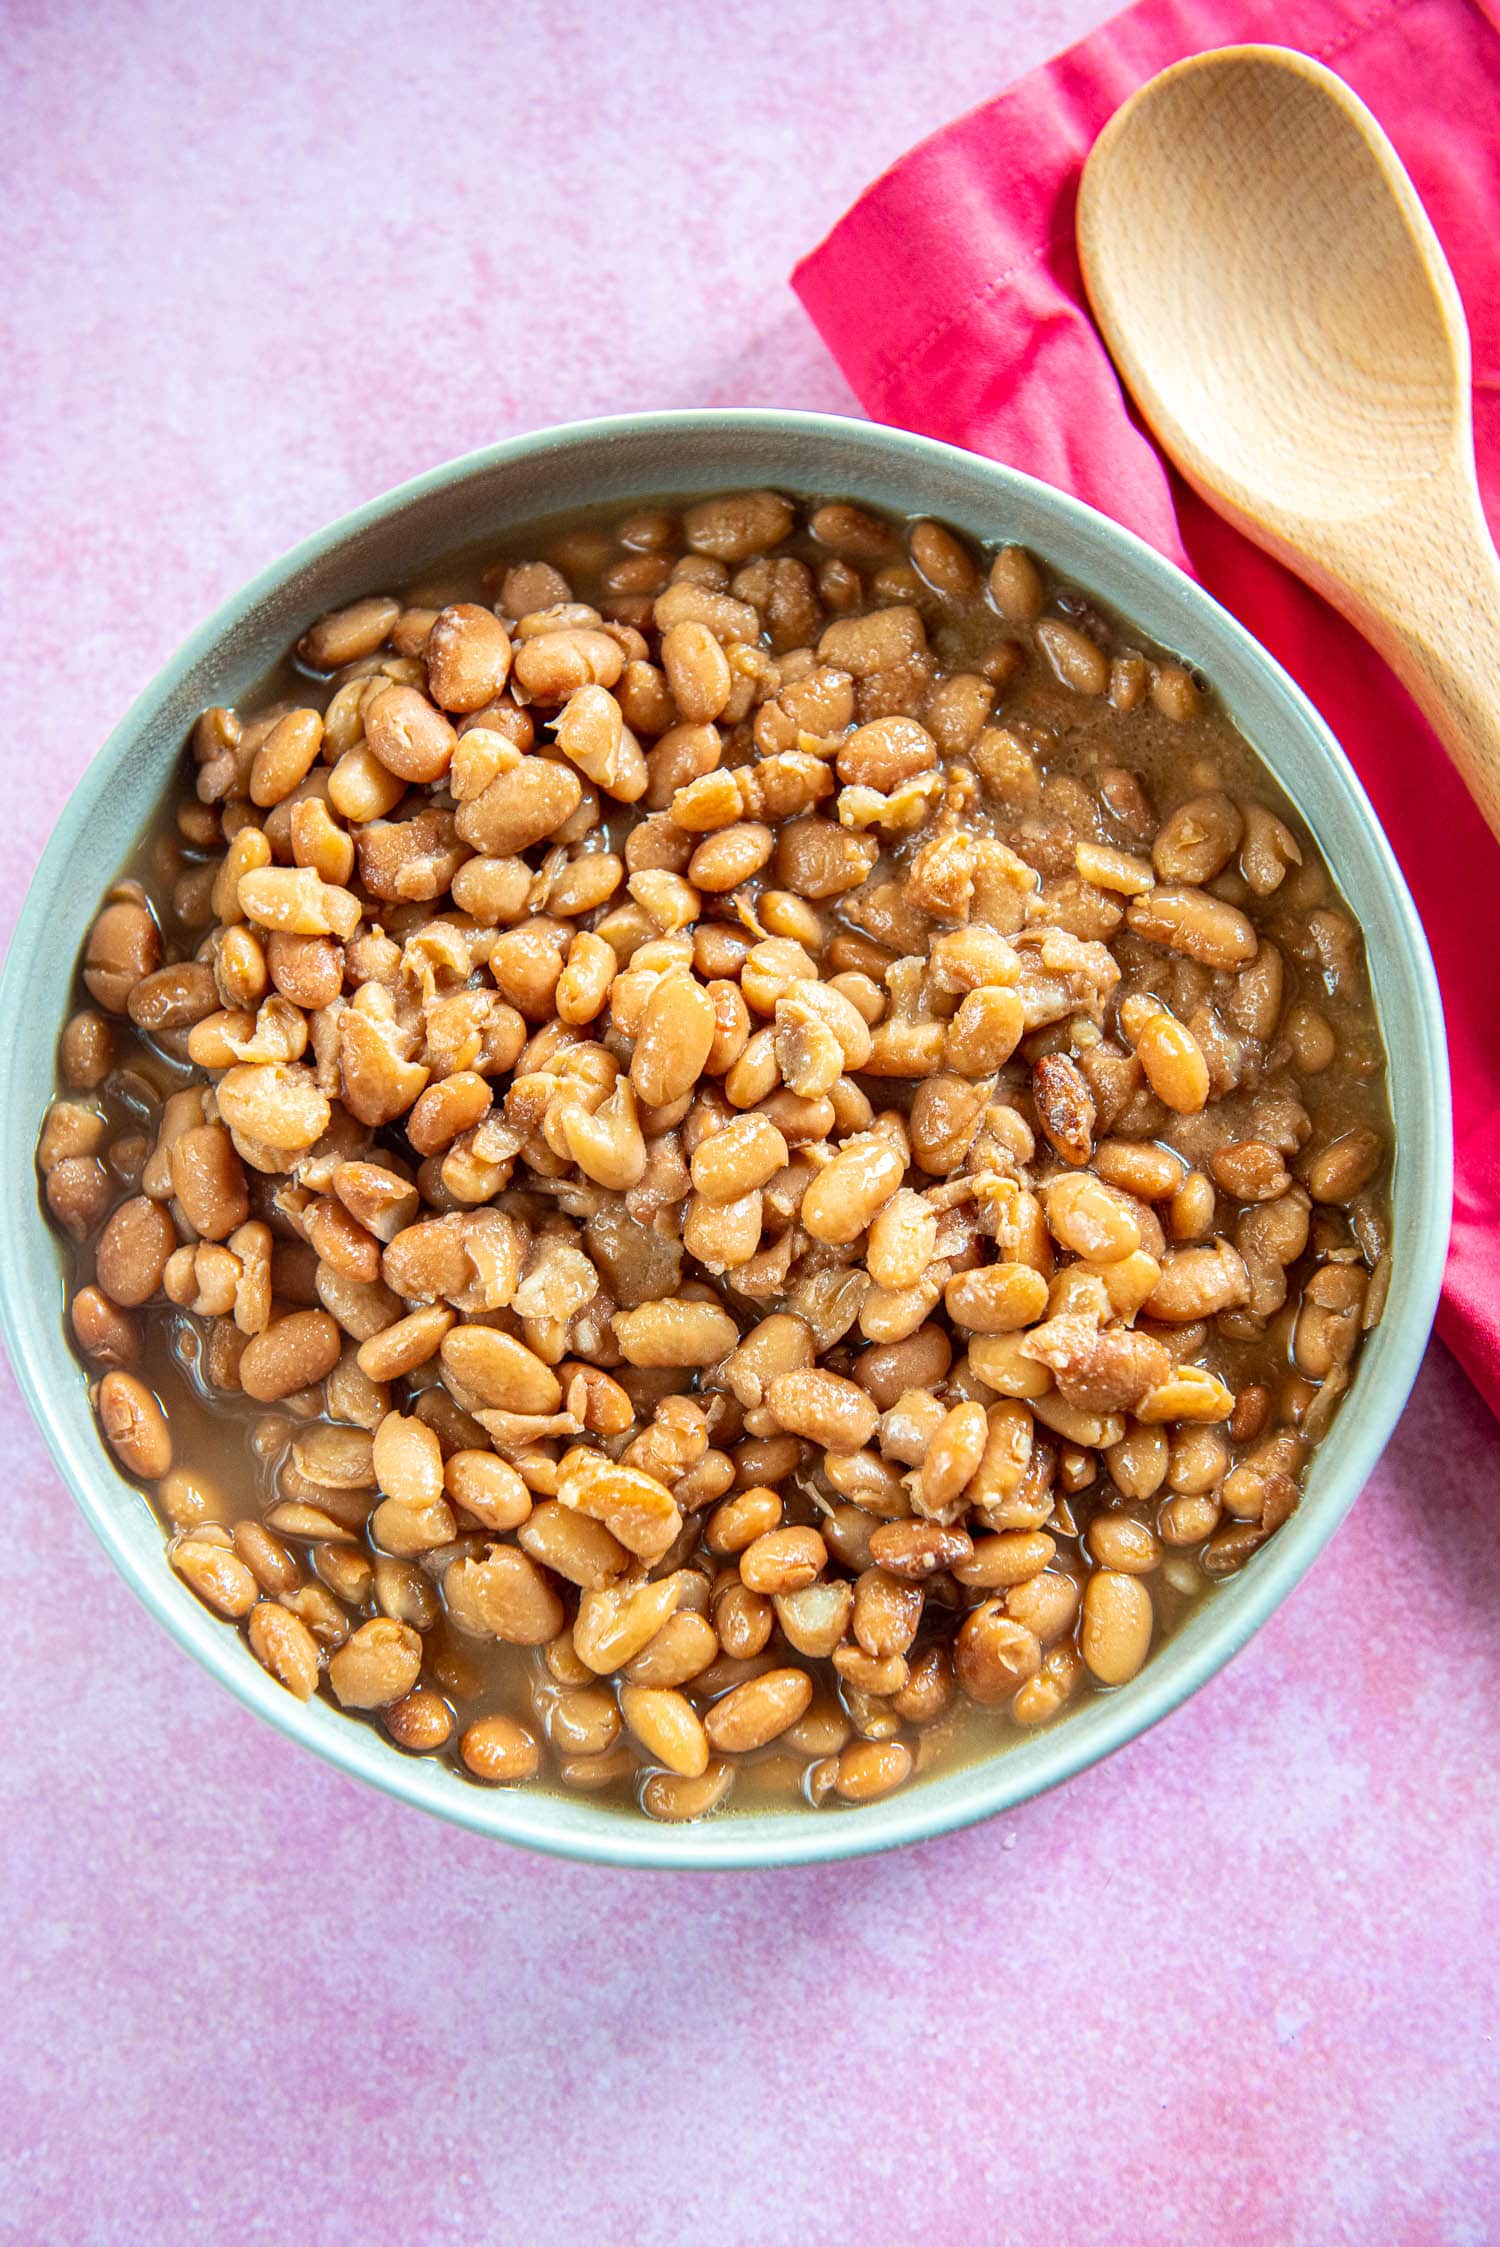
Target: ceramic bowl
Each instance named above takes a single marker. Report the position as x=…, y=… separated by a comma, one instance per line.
x=390, y=542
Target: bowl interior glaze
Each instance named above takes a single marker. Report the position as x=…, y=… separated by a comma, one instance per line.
x=390, y=542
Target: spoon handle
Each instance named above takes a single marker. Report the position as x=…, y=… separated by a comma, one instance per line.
x=1427, y=594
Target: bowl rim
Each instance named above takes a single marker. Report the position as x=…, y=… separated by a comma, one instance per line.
x=971, y=1791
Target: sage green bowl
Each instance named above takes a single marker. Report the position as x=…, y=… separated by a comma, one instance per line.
x=390, y=542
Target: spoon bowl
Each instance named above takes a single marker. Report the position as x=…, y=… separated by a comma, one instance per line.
x=1271, y=289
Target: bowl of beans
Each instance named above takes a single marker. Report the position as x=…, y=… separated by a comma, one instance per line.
x=728, y=1139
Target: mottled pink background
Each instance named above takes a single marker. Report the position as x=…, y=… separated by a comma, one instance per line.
x=1237, y=1985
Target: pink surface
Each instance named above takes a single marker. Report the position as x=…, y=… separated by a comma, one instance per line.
x=1238, y=1984
x=988, y=343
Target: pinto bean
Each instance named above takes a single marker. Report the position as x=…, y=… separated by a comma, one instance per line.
x=135, y=1426
x=292, y=1354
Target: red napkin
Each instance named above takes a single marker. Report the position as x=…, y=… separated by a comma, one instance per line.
x=982, y=338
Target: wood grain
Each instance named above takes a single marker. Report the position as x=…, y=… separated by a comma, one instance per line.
x=1271, y=289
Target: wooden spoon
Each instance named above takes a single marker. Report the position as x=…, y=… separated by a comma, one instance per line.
x=1274, y=296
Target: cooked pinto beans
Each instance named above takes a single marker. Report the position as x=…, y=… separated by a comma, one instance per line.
x=735, y=1157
